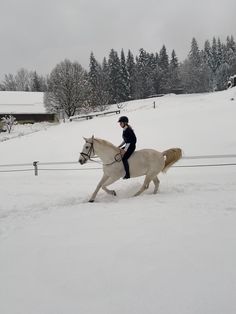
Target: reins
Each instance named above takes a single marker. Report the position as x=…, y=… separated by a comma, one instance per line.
x=117, y=158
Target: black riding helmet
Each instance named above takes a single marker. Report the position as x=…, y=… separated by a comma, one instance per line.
x=123, y=119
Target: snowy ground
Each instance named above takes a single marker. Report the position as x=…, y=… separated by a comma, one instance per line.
x=173, y=252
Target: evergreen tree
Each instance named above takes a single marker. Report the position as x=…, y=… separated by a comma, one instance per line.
x=124, y=77
x=37, y=83
x=115, y=77
x=142, y=89
x=156, y=74
x=174, y=72
x=164, y=75
x=145, y=74
x=214, y=62
x=131, y=71
x=105, y=74
x=207, y=52
x=220, y=52
x=194, y=54
x=194, y=72
x=163, y=59
x=98, y=97
x=231, y=54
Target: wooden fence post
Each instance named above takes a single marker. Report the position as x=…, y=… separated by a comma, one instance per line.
x=35, y=164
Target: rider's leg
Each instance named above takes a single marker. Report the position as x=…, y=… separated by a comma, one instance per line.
x=125, y=158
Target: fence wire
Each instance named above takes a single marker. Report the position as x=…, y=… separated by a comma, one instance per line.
x=38, y=164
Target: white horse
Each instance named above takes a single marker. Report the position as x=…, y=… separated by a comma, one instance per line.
x=144, y=162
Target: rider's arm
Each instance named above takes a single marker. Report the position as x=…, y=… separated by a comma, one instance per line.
x=122, y=144
x=126, y=146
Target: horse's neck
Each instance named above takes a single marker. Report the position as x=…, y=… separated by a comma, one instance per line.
x=105, y=151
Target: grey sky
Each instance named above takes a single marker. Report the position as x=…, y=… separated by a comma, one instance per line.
x=38, y=34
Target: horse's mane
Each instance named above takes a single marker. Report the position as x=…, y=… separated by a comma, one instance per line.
x=107, y=143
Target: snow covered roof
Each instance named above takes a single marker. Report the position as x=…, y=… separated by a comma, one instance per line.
x=21, y=102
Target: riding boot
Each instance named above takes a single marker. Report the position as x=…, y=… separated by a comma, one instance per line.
x=126, y=166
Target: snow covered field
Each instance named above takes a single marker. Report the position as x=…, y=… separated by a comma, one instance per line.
x=173, y=252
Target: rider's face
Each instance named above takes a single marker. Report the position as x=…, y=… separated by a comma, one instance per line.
x=122, y=124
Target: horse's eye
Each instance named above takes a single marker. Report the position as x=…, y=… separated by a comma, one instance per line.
x=87, y=147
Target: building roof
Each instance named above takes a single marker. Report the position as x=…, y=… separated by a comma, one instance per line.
x=21, y=102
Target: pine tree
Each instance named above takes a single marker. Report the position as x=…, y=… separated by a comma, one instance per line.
x=131, y=70
x=124, y=77
x=106, y=78
x=207, y=52
x=194, y=54
x=195, y=82
x=115, y=77
x=220, y=52
x=35, y=82
x=99, y=96
x=231, y=54
x=174, y=72
x=164, y=74
x=142, y=89
x=214, y=62
x=163, y=58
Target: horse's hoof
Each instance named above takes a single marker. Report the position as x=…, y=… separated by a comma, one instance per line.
x=91, y=201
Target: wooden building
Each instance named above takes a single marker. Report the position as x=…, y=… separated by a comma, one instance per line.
x=26, y=107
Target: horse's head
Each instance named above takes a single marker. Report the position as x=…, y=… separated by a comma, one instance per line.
x=87, y=151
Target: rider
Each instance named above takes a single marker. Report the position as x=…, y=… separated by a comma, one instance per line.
x=128, y=144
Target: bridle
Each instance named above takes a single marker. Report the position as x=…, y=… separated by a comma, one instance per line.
x=90, y=152
x=87, y=156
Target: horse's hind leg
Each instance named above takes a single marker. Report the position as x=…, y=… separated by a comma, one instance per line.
x=144, y=186
x=156, y=183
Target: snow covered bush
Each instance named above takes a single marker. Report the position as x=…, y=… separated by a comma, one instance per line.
x=8, y=122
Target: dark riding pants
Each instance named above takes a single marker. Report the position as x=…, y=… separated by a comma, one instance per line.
x=125, y=158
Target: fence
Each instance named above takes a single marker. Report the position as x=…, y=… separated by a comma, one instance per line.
x=92, y=115
x=37, y=166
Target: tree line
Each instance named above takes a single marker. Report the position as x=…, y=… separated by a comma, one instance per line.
x=121, y=77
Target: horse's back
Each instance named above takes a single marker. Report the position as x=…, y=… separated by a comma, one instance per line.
x=146, y=160
x=151, y=154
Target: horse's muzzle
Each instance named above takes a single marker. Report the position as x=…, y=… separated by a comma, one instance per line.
x=82, y=160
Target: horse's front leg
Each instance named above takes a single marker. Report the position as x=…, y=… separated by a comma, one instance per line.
x=102, y=181
x=108, y=182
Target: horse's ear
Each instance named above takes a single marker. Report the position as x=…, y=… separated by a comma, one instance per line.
x=86, y=139
x=92, y=137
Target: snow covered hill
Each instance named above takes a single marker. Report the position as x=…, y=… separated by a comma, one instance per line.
x=167, y=253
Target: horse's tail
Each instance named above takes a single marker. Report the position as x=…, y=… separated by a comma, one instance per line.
x=171, y=155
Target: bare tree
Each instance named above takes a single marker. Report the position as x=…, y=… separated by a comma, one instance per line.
x=18, y=82
x=67, y=88
x=9, y=83
x=22, y=80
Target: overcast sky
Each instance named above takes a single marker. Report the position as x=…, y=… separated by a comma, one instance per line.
x=37, y=35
